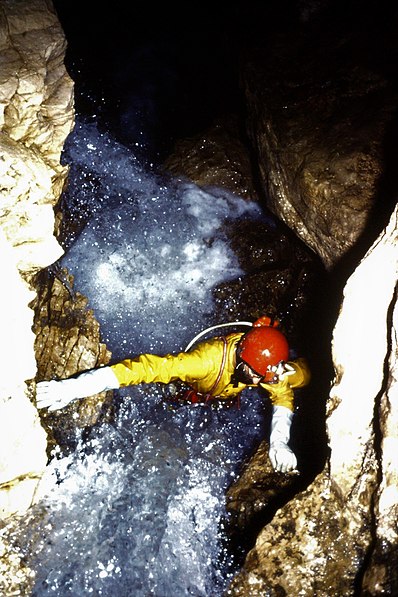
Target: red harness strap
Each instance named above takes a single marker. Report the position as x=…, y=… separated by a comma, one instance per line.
x=222, y=366
x=197, y=397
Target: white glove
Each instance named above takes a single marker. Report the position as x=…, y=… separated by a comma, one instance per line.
x=281, y=456
x=57, y=394
x=281, y=371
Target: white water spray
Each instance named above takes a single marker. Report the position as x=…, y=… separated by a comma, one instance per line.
x=135, y=510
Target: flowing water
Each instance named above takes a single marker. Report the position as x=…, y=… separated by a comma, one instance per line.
x=138, y=507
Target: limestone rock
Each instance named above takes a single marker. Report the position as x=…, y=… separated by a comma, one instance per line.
x=364, y=424
x=36, y=103
x=305, y=549
x=26, y=206
x=218, y=157
x=323, y=129
x=319, y=131
x=250, y=498
x=15, y=577
x=67, y=342
x=36, y=115
x=36, y=99
x=22, y=439
x=279, y=269
x=320, y=542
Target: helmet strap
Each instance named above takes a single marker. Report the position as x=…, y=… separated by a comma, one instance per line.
x=238, y=375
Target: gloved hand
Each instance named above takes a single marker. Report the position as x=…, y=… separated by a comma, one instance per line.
x=281, y=456
x=58, y=394
x=281, y=371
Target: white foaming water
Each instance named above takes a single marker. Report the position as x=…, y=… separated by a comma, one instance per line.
x=152, y=252
x=136, y=509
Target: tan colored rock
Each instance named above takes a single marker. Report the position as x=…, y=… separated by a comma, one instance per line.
x=305, y=550
x=22, y=470
x=361, y=344
x=36, y=115
x=319, y=136
x=16, y=579
x=252, y=496
x=67, y=342
x=318, y=544
x=216, y=158
x=26, y=206
x=22, y=439
x=366, y=419
x=36, y=99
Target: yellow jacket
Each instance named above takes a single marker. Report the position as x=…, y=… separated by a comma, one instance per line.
x=207, y=368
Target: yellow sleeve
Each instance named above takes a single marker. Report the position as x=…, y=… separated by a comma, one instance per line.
x=302, y=376
x=281, y=393
x=149, y=368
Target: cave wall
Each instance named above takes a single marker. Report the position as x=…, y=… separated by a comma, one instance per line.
x=321, y=104
x=339, y=535
x=36, y=115
x=324, y=136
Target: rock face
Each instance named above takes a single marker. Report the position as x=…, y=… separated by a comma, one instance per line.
x=219, y=157
x=67, y=341
x=36, y=115
x=339, y=535
x=321, y=138
x=362, y=423
x=321, y=104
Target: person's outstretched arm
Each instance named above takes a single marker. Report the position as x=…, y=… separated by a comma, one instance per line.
x=281, y=455
x=56, y=394
x=145, y=368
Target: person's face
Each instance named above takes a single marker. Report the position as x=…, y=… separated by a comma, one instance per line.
x=247, y=375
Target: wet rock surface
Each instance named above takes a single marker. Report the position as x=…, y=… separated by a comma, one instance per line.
x=67, y=342
x=36, y=114
x=217, y=157
x=336, y=537
x=305, y=548
x=282, y=275
x=254, y=498
x=322, y=139
x=321, y=115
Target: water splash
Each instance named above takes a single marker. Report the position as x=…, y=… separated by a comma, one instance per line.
x=136, y=509
x=151, y=252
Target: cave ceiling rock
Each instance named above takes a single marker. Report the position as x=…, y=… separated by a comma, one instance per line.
x=320, y=140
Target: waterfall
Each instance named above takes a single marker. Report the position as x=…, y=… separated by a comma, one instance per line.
x=152, y=250
x=137, y=508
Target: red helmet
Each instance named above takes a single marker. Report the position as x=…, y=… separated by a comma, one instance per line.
x=264, y=345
